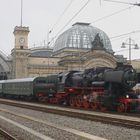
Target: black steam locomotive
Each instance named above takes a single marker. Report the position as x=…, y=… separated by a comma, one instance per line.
x=97, y=88
x=104, y=88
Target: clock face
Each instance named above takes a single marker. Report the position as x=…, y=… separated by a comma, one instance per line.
x=21, y=40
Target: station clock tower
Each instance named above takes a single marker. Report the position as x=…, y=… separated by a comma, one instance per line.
x=20, y=52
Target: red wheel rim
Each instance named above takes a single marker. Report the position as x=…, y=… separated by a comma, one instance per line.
x=51, y=101
x=121, y=108
x=103, y=108
x=78, y=102
x=86, y=104
x=41, y=99
x=72, y=103
x=93, y=105
x=46, y=99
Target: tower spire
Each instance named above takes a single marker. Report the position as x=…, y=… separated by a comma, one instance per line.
x=21, y=12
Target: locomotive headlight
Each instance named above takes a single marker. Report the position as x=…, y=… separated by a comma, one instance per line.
x=127, y=96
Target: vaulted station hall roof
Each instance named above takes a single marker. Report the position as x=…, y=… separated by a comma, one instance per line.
x=81, y=35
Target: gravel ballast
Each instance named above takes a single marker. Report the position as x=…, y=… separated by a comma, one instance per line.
x=95, y=128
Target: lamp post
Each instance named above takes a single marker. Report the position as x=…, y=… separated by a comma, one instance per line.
x=130, y=43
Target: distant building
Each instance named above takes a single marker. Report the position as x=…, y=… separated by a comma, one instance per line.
x=80, y=47
x=136, y=64
x=5, y=66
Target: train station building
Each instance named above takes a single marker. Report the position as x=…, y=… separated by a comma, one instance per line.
x=80, y=47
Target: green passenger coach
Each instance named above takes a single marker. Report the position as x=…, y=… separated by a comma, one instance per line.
x=27, y=87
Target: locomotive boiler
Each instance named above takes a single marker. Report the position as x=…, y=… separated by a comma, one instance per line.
x=103, y=88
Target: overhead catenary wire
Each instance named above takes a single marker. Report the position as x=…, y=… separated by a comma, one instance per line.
x=71, y=20
x=60, y=17
x=57, y=21
x=121, y=35
x=123, y=50
x=135, y=4
x=117, y=12
x=102, y=18
x=74, y=16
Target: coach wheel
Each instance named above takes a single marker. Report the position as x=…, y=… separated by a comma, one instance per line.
x=121, y=108
x=93, y=105
x=72, y=102
x=41, y=99
x=86, y=104
x=103, y=108
x=78, y=102
x=51, y=100
x=46, y=99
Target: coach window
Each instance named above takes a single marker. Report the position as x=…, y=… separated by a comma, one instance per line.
x=21, y=47
x=41, y=81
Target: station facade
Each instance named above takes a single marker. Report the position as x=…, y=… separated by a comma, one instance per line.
x=80, y=47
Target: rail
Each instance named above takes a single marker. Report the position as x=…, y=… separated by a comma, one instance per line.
x=7, y=135
x=119, y=120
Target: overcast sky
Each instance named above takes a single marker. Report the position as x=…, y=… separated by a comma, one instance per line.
x=41, y=16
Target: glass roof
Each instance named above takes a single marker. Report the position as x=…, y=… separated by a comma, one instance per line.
x=41, y=52
x=80, y=36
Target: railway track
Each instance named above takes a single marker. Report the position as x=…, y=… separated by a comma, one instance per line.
x=5, y=135
x=119, y=120
x=31, y=125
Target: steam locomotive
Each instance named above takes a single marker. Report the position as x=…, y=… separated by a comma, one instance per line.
x=104, y=88
x=100, y=88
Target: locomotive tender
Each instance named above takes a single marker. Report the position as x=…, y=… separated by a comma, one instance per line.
x=97, y=88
